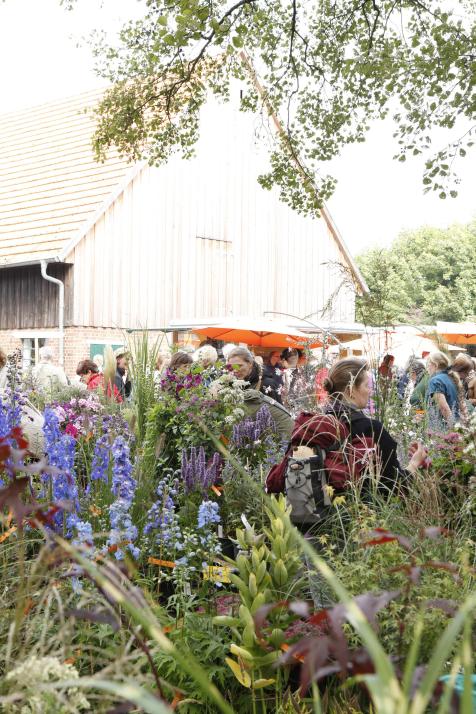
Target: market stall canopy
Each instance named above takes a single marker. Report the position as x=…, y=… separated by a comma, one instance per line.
x=401, y=344
x=460, y=333
x=258, y=333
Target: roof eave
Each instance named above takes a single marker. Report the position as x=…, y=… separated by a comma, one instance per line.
x=33, y=261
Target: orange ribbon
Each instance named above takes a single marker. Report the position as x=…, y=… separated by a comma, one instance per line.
x=163, y=563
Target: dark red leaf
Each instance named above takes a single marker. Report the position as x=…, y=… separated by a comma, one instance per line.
x=379, y=536
x=10, y=497
x=316, y=656
x=320, y=618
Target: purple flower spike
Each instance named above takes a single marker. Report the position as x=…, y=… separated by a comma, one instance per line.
x=197, y=475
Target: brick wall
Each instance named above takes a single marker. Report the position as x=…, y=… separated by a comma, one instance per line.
x=76, y=343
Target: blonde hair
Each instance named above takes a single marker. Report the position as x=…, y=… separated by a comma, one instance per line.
x=439, y=360
x=463, y=364
x=345, y=374
x=3, y=358
x=442, y=363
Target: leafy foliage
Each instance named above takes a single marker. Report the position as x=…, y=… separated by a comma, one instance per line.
x=326, y=69
x=426, y=275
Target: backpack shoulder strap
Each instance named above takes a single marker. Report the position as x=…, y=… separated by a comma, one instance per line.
x=272, y=402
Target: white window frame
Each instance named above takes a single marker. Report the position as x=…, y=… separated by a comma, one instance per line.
x=34, y=336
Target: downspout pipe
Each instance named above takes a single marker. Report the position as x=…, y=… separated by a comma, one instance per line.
x=60, y=284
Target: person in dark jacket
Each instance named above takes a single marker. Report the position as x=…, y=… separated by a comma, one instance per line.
x=348, y=387
x=272, y=378
x=121, y=380
x=245, y=368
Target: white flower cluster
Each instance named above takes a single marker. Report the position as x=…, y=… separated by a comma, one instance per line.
x=228, y=389
x=28, y=677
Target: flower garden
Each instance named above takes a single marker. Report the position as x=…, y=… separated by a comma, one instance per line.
x=144, y=569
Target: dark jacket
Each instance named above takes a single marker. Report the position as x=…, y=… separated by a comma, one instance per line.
x=362, y=425
x=272, y=382
x=124, y=388
x=254, y=400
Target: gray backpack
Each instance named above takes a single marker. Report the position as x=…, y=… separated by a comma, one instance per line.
x=305, y=483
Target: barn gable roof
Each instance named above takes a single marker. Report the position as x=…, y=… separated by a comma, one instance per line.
x=52, y=189
x=50, y=183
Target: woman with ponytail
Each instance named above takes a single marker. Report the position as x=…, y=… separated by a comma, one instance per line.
x=445, y=393
x=348, y=386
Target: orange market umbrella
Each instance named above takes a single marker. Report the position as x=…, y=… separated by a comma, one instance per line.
x=259, y=333
x=459, y=333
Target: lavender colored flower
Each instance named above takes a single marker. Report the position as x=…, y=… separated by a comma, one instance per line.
x=197, y=475
x=248, y=431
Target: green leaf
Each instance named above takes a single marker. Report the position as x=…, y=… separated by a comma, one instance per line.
x=130, y=692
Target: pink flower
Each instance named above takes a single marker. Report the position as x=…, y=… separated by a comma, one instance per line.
x=71, y=430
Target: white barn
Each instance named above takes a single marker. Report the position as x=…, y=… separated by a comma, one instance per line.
x=140, y=246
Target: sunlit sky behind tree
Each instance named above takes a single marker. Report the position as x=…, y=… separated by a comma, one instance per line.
x=376, y=197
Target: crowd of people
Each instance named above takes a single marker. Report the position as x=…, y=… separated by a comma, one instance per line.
x=444, y=390
x=433, y=385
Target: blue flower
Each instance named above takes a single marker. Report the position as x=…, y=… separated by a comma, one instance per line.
x=208, y=514
x=123, y=531
x=100, y=463
x=61, y=450
x=162, y=516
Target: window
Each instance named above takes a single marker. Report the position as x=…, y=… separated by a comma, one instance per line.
x=30, y=350
x=97, y=348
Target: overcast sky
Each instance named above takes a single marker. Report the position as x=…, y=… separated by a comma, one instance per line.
x=376, y=197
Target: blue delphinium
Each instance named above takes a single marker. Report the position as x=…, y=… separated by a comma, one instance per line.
x=100, y=462
x=123, y=531
x=197, y=475
x=10, y=415
x=162, y=516
x=123, y=482
x=207, y=520
x=208, y=514
x=84, y=538
x=60, y=450
x=123, y=488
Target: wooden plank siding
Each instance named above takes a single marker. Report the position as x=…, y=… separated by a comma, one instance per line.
x=201, y=237
x=27, y=300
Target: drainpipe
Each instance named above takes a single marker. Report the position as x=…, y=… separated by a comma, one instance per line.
x=60, y=284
